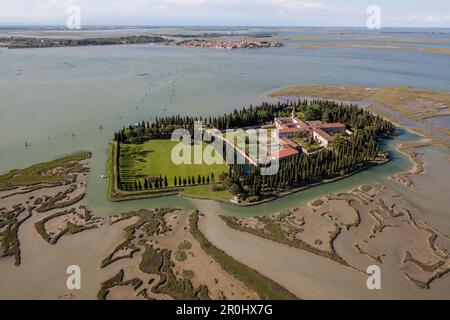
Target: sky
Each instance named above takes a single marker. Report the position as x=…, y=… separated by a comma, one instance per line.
x=352, y=13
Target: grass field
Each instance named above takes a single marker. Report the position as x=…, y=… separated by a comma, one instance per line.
x=153, y=158
x=196, y=191
x=206, y=192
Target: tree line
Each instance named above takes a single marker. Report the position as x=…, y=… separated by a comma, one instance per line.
x=163, y=182
x=324, y=110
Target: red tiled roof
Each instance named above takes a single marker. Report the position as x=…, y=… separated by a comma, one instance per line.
x=284, y=120
x=323, y=134
x=286, y=152
x=332, y=125
x=314, y=123
x=288, y=126
x=289, y=142
x=291, y=130
x=303, y=124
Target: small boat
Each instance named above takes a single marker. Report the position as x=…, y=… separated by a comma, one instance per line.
x=104, y=176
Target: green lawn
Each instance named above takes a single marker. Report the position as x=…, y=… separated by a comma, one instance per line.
x=153, y=158
x=204, y=191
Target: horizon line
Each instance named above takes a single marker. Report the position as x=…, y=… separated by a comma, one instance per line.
x=62, y=26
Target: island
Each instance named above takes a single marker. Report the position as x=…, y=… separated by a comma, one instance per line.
x=312, y=142
x=33, y=42
x=226, y=44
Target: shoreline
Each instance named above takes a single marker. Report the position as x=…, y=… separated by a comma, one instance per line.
x=407, y=148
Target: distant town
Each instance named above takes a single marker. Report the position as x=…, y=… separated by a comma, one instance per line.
x=227, y=44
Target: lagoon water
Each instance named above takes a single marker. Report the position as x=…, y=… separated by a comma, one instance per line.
x=56, y=99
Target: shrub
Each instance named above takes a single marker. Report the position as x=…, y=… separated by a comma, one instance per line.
x=180, y=256
x=186, y=245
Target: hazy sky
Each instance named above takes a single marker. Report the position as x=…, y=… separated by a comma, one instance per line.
x=408, y=13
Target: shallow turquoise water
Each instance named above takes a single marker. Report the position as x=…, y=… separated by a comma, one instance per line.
x=46, y=95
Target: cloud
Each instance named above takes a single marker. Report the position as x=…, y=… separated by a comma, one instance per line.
x=214, y=11
x=218, y=12
x=417, y=18
x=436, y=19
x=296, y=4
